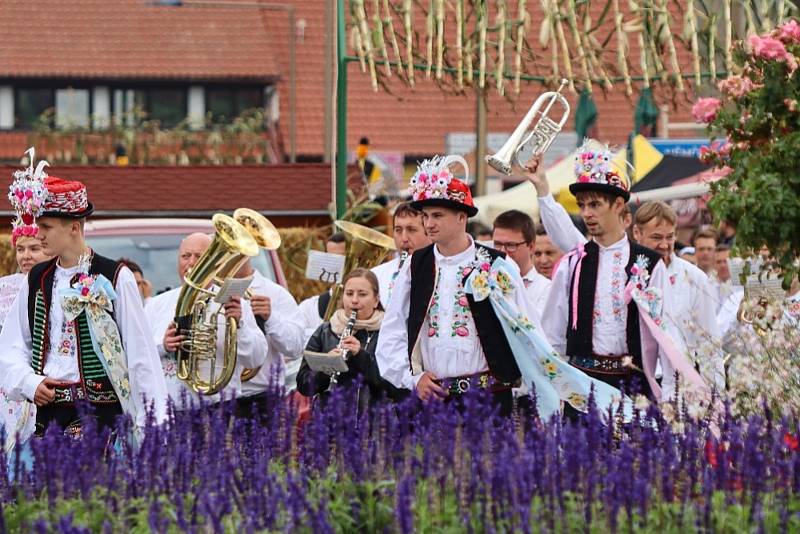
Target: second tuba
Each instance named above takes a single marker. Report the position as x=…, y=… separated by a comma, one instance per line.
x=196, y=357
x=366, y=248
x=542, y=134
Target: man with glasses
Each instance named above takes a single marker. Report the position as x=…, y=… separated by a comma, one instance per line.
x=514, y=233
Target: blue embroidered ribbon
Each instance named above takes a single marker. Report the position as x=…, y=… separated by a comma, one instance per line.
x=542, y=368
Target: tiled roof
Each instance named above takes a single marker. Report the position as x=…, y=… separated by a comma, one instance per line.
x=416, y=121
x=300, y=189
x=132, y=39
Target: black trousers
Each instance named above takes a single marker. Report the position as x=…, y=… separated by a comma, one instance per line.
x=67, y=416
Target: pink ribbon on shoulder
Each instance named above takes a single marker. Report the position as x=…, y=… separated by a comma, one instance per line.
x=581, y=253
x=676, y=358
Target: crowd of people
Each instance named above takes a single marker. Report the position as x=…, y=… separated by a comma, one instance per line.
x=616, y=308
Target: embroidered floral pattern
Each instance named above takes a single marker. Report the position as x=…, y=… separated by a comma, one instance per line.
x=461, y=312
x=618, y=277
x=649, y=298
x=433, y=311
x=67, y=347
x=550, y=368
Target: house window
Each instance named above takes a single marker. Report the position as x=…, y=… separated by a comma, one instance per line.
x=72, y=108
x=30, y=104
x=167, y=106
x=227, y=104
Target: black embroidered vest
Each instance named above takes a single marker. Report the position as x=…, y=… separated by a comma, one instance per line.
x=579, y=340
x=96, y=386
x=502, y=364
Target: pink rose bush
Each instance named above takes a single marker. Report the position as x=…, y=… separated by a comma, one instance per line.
x=705, y=109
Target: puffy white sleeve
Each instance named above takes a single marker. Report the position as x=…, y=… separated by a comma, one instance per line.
x=251, y=345
x=704, y=312
x=285, y=328
x=144, y=366
x=558, y=224
x=556, y=314
x=17, y=376
x=392, y=350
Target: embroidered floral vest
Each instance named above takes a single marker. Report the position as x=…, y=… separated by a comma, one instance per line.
x=95, y=384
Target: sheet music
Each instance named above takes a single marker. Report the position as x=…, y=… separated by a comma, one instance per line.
x=233, y=287
x=324, y=267
x=325, y=363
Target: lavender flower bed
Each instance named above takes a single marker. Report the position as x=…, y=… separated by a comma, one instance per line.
x=409, y=468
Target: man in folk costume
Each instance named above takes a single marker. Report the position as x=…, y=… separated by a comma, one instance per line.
x=409, y=235
x=457, y=320
x=76, y=331
x=605, y=305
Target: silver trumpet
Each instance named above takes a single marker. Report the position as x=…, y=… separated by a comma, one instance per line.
x=541, y=135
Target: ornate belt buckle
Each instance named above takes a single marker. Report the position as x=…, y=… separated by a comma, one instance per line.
x=463, y=385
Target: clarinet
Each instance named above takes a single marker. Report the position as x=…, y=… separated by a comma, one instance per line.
x=348, y=330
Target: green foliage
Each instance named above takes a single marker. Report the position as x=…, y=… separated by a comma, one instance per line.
x=758, y=128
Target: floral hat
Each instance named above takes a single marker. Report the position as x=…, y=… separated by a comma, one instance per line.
x=28, y=194
x=434, y=185
x=595, y=171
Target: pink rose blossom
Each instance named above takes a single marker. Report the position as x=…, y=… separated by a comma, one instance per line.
x=485, y=266
x=431, y=332
x=462, y=331
x=462, y=301
x=789, y=32
x=84, y=291
x=768, y=48
x=705, y=109
x=736, y=86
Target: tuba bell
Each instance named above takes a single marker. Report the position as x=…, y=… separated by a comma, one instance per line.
x=366, y=248
x=197, y=355
x=267, y=238
x=541, y=135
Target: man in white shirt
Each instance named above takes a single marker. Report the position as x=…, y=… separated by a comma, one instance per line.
x=279, y=319
x=251, y=344
x=590, y=317
x=514, y=234
x=434, y=337
x=65, y=308
x=409, y=235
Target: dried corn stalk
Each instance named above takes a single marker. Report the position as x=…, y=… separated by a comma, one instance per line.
x=691, y=20
x=573, y=25
x=483, y=15
x=460, y=43
x=439, y=37
x=501, y=46
x=622, y=49
x=407, y=16
x=522, y=21
x=387, y=21
x=366, y=41
x=673, y=54
x=380, y=41
x=429, y=40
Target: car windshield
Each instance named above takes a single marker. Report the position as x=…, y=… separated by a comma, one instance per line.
x=157, y=255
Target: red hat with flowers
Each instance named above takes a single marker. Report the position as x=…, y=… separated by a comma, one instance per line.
x=595, y=170
x=435, y=185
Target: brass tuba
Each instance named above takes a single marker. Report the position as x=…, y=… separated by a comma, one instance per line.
x=543, y=132
x=231, y=247
x=267, y=238
x=366, y=248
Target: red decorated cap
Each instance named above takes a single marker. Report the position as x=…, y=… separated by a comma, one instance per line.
x=434, y=185
x=66, y=199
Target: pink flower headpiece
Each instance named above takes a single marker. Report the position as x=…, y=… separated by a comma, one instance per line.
x=595, y=170
x=27, y=194
x=433, y=178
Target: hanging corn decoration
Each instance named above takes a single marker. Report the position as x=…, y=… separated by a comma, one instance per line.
x=379, y=38
x=389, y=24
x=691, y=20
x=407, y=14
x=522, y=21
x=439, y=37
x=673, y=54
x=383, y=32
x=622, y=49
x=501, y=46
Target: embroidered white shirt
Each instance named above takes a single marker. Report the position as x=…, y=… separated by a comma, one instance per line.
x=285, y=338
x=9, y=288
x=251, y=349
x=448, y=341
x=146, y=375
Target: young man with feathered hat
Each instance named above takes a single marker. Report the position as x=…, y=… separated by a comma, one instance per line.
x=77, y=330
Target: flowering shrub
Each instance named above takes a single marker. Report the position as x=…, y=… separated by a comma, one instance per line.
x=409, y=468
x=757, y=123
